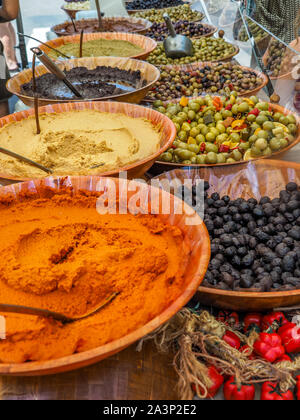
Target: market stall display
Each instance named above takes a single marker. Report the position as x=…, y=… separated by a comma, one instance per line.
x=133, y=78
x=159, y=31
x=116, y=241
x=213, y=130
x=101, y=44
x=176, y=13
x=197, y=79
x=205, y=49
x=118, y=24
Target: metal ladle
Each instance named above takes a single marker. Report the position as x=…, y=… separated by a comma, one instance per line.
x=18, y=309
x=54, y=69
x=176, y=46
x=25, y=159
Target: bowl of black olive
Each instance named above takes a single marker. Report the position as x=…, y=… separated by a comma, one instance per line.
x=252, y=214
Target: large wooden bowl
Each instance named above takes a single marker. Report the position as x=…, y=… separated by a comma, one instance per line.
x=198, y=66
x=163, y=124
x=196, y=236
x=167, y=166
x=150, y=74
x=147, y=44
x=58, y=29
x=255, y=179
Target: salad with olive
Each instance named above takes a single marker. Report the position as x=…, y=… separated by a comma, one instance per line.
x=220, y=130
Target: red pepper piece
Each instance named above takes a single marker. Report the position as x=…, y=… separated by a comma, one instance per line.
x=252, y=321
x=231, y=87
x=290, y=336
x=269, y=347
x=217, y=381
x=189, y=121
x=224, y=148
x=268, y=320
x=298, y=388
x=232, y=339
x=229, y=107
x=271, y=392
x=202, y=147
x=255, y=111
x=233, y=393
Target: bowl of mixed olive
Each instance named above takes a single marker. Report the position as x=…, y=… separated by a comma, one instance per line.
x=176, y=13
x=205, y=49
x=159, y=31
x=213, y=130
x=213, y=78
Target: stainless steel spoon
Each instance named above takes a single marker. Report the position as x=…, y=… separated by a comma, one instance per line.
x=18, y=309
x=176, y=46
x=25, y=159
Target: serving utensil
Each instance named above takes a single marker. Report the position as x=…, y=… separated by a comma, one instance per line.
x=99, y=13
x=54, y=69
x=176, y=46
x=25, y=159
x=26, y=310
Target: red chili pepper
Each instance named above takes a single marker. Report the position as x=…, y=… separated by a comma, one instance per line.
x=217, y=381
x=223, y=148
x=271, y=392
x=252, y=321
x=233, y=393
x=189, y=121
x=231, y=87
x=269, y=347
x=229, y=107
x=290, y=336
x=278, y=317
x=255, y=111
x=202, y=147
x=298, y=388
x=284, y=358
x=251, y=355
x=231, y=319
x=232, y=339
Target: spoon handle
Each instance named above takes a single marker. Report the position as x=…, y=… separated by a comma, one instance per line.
x=169, y=24
x=18, y=309
x=25, y=159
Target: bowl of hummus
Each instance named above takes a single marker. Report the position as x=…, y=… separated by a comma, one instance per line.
x=85, y=138
x=101, y=44
x=97, y=78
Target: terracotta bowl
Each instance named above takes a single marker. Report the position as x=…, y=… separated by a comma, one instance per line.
x=135, y=170
x=255, y=179
x=147, y=44
x=196, y=236
x=58, y=29
x=149, y=73
x=198, y=66
x=167, y=166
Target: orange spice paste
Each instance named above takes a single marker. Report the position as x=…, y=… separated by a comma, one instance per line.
x=58, y=253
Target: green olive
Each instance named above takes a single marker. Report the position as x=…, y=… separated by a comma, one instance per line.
x=262, y=134
x=210, y=147
x=182, y=135
x=200, y=139
x=292, y=128
x=284, y=120
x=261, y=144
x=211, y=158
x=200, y=159
x=275, y=144
x=236, y=155
x=268, y=126
x=243, y=107
x=221, y=158
x=193, y=148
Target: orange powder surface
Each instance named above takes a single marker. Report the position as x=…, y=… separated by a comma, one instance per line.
x=58, y=253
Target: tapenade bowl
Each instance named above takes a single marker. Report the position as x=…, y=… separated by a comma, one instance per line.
x=91, y=25
x=233, y=151
x=74, y=196
x=86, y=136
x=143, y=45
x=141, y=77
x=254, y=180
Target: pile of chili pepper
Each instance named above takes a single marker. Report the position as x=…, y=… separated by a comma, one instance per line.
x=278, y=340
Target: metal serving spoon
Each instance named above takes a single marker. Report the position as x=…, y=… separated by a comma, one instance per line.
x=176, y=46
x=18, y=309
x=25, y=159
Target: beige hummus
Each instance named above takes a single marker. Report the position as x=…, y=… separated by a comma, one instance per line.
x=71, y=143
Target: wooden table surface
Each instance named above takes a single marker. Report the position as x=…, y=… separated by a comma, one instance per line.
x=129, y=375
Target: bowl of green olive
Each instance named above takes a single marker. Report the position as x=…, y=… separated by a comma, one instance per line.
x=205, y=49
x=213, y=130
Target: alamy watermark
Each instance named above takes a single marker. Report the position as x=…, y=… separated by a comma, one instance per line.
x=159, y=197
